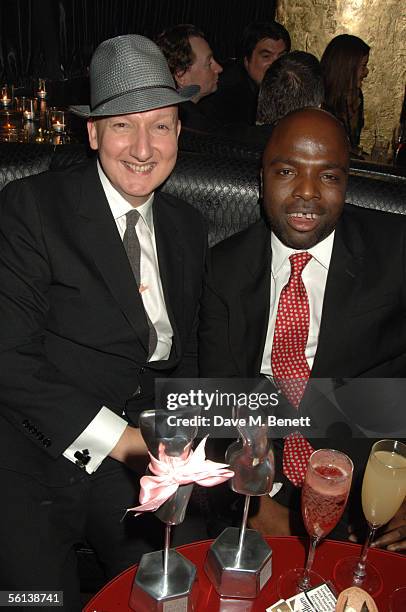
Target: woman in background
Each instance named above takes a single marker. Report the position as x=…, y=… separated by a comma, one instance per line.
x=344, y=65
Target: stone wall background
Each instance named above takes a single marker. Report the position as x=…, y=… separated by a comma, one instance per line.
x=382, y=25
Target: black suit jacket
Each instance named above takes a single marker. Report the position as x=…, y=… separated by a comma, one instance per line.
x=363, y=322
x=192, y=118
x=73, y=332
x=235, y=100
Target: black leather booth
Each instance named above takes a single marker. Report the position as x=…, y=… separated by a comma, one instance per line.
x=224, y=188
x=248, y=143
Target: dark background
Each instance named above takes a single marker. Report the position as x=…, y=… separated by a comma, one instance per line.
x=55, y=39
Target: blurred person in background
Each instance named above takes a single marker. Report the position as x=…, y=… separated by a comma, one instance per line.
x=236, y=99
x=345, y=65
x=191, y=62
x=293, y=81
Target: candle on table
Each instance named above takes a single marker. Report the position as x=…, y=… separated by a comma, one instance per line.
x=41, y=89
x=57, y=120
x=28, y=112
x=5, y=95
x=58, y=127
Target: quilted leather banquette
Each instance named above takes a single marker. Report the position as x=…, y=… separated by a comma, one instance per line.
x=223, y=183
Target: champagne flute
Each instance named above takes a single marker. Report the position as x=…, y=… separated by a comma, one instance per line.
x=324, y=496
x=383, y=491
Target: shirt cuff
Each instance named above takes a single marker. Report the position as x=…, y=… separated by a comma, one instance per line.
x=99, y=438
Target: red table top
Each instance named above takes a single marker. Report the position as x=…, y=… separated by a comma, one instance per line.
x=287, y=552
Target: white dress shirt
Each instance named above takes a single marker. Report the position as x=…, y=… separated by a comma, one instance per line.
x=104, y=431
x=314, y=277
x=152, y=296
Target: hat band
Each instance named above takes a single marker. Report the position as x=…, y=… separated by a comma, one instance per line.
x=131, y=91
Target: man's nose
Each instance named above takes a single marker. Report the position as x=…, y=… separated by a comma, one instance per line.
x=141, y=146
x=306, y=188
x=216, y=67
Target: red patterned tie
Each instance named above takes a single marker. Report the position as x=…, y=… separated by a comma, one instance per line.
x=289, y=366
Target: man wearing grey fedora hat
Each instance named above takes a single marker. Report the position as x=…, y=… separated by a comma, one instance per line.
x=100, y=278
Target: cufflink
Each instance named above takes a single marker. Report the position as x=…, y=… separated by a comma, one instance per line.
x=277, y=486
x=82, y=458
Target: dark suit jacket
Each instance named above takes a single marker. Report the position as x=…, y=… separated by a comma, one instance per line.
x=73, y=332
x=192, y=118
x=235, y=100
x=363, y=323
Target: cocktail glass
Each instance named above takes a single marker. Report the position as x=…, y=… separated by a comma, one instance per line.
x=324, y=496
x=383, y=491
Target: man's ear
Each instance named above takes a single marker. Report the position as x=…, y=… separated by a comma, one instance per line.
x=92, y=133
x=181, y=78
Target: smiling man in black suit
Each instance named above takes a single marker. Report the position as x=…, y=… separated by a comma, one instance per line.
x=100, y=278
x=320, y=294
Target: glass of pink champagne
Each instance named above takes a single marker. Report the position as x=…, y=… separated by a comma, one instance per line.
x=324, y=496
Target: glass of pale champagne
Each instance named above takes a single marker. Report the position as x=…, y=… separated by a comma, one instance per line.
x=324, y=496
x=383, y=491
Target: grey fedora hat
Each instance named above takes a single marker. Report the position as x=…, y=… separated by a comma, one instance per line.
x=129, y=74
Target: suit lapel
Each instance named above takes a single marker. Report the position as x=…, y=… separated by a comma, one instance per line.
x=342, y=280
x=100, y=238
x=249, y=335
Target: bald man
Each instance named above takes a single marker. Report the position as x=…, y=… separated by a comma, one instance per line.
x=353, y=282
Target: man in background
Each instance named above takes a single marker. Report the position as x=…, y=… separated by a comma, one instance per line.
x=293, y=81
x=191, y=62
x=236, y=99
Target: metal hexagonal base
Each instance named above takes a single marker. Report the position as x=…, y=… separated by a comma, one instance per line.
x=242, y=577
x=153, y=592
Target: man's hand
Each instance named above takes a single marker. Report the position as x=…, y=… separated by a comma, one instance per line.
x=393, y=535
x=274, y=519
x=131, y=449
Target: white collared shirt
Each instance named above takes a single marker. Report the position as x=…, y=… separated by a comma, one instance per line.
x=105, y=430
x=155, y=307
x=314, y=277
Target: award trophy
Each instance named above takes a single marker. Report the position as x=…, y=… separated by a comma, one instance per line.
x=166, y=580
x=239, y=562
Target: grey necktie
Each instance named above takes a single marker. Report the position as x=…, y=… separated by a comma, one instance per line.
x=133, y=250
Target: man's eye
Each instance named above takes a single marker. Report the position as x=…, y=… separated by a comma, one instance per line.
x=285, y=172
x=120, y=125
x=330, y=177
x=163, y=126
